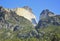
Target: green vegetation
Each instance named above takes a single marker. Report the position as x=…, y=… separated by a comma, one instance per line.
x=50, y=33
x=17, y=28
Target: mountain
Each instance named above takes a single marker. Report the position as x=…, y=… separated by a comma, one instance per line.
x=48, y=27
x=13, y=25
x=27, y=13
x=19, y=24
x=48, y=18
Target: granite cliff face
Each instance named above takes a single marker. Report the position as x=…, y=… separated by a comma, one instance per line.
x=27, y=13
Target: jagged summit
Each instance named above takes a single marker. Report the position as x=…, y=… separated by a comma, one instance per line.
x=46, y=13
x=27, y=13
x=47, y=18
x=28, y=8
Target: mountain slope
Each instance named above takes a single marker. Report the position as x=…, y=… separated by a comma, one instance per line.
x=18, y=28
x=48, y=18
x=48, y=26
x=12, y=25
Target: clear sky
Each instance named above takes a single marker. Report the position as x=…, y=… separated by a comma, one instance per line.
x=36, y=5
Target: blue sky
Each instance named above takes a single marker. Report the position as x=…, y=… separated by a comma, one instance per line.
x=36, y=5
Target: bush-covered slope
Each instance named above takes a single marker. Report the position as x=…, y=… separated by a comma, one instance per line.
x=14, y=26
x=18, y=28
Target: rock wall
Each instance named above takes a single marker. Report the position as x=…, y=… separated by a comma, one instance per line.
x=26, y=14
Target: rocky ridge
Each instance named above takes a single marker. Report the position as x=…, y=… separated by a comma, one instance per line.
x=49, y=19
x=14, y=25
x=19, y=23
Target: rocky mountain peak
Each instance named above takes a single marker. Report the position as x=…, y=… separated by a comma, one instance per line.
x=46, y=13
x=20, y=21
x=47, y=18
x=25, y=12
x=28, y=8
